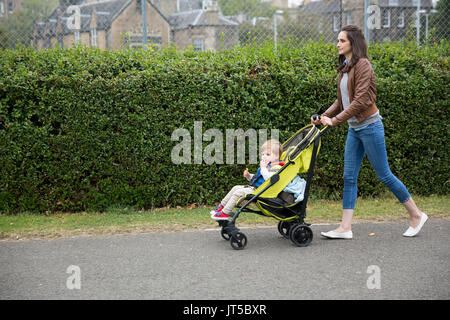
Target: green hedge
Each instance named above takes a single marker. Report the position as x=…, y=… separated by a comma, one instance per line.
x=83, y=129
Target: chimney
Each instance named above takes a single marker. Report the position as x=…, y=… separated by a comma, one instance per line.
x=212, y=13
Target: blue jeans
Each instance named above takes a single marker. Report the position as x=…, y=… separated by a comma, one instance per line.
x=368, y=140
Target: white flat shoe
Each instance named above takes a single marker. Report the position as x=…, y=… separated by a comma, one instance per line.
x=338, y=235
x=411, y=232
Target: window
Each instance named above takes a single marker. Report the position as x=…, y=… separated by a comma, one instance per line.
x=2, y=9
x=155, y=42
x=401, y=19
x=10, y=7
x=349, y=18
x=94, y=37
x=386, y=18
x=335, y=23
x=393, y=3
x=198, y=44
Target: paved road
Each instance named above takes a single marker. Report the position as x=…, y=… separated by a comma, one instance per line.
x=200, y=265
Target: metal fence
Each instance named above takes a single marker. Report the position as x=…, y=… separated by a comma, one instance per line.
x=214, y=25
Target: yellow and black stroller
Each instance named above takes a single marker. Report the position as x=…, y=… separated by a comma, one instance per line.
x=299, y=155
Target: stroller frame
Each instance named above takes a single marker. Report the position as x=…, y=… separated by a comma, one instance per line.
x=294, y=227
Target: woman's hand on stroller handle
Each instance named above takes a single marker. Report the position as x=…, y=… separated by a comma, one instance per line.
x=326, y=121
x=316, y=119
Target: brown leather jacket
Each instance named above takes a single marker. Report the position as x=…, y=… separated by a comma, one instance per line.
x=362, y=92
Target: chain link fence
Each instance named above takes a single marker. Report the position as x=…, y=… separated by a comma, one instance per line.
x=214, y=25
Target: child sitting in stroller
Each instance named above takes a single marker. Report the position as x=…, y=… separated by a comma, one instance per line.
x=270, y=163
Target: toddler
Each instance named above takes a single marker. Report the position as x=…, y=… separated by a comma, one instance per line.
x=271, y=151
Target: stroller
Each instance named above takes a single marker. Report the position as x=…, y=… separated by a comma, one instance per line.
x=299, y=155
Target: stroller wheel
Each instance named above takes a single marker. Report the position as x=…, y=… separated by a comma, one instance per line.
x=224, y=234
x=301, y=235
x=238, y=241
x=283, y=228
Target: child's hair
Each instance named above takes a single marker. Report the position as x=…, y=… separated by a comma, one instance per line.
x=275, y=147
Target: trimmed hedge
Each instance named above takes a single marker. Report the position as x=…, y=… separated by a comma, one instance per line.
x=84, y=129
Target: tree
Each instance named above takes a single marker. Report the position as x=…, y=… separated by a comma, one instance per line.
x=439, y=20
x=18, y=27
x=253, y=8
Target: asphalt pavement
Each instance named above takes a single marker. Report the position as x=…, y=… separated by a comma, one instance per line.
x=201, y=265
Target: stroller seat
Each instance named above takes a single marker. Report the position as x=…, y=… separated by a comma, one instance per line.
x=283, y=206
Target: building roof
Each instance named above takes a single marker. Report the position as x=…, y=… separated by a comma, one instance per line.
x=314, y=7
x=108, y=10
x=405, y=3
x=194, y=18
x=105, y=11
x=326, y=6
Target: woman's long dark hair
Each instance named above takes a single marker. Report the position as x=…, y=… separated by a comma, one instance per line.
x=359, y=46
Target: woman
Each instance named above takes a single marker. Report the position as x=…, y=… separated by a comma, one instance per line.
x=355, y=104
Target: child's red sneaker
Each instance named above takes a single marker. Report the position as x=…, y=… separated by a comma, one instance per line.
x=217, y=209
x=220, y=216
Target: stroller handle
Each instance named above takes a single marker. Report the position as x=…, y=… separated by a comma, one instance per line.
x=315, y=117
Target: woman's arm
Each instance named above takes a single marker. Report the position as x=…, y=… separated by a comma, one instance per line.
x=333, y=110
x=363, y=97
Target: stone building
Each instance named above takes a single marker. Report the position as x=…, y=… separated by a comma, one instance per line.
x=115, y=24
x=395, y=16
x=8, y=7
x=204, y=29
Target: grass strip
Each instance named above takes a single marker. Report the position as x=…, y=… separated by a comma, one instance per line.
x=122, y=220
